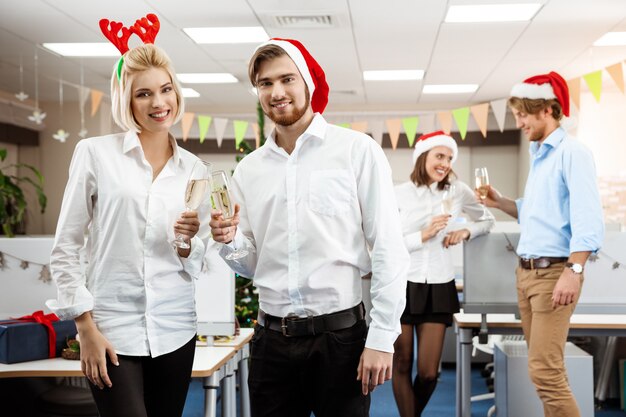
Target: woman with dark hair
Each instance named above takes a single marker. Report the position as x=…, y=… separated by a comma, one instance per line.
x=427, y=203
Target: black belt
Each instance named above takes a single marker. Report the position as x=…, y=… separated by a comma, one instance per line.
x=294, y=326
x=539, y=263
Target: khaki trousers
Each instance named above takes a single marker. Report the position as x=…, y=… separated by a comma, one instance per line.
x=545, y=330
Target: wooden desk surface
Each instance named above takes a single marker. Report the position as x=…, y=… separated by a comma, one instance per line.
x=238, y=342
x=578, y=321
x=207, y=360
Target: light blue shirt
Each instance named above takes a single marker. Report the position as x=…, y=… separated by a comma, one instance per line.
x=561, y=211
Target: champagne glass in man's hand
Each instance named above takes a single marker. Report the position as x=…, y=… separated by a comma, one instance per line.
x=221, y=199
x=199, y=181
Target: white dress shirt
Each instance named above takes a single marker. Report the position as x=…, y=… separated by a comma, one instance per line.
x=140, y=292
x=430, y=262
x=307, y=220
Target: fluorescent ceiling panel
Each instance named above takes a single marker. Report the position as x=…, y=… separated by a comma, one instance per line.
x=492, y=13
x=83, y=49
x=190, y=92
x=611, y=39
x=207, y=78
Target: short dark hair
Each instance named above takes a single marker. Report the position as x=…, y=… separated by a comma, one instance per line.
x=534, y=106
x=264, y=53
x=419, y=176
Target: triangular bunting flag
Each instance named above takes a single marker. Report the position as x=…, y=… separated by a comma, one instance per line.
x=257, y=135
x=359, y=126
x=499, y=111
x=461, y=117
x=203, y=126
x=594, y=82
x=96, y=98
x=445, y=120
x=241, y=127
x=393, y=128
x=427, y=123
x=220, y=128
x=83, y=95
x=574, y=91
x=616, y=72
x=186, y=123
x=480, y=113
x=376, y=129
x=410, y=128
x=346, y=125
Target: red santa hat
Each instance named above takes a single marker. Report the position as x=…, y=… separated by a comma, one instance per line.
x=544, y=86
x=431, y=140
x=311, y=71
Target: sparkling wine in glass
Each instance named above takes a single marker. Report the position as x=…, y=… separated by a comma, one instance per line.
x=197, y=185
x=221, y=200
x=482, y=186
x=447, y=198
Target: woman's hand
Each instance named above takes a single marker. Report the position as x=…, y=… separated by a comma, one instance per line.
x=437, y=224
x=455, y=237
x=93, y=350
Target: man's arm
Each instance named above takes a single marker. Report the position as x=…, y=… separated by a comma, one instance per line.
x=496, y=200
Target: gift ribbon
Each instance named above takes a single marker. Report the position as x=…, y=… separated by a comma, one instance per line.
x=46, y=320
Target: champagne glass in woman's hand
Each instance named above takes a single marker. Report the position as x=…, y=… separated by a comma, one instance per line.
x=221, y=200
x=199, y=181
x=482, y=186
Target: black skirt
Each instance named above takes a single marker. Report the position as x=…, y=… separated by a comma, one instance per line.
x=430, y=303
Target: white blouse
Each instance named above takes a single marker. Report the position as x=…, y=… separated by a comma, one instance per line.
x=430, y=261
x=140, y=292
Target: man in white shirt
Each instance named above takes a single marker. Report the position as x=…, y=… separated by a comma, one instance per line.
x=313, y=199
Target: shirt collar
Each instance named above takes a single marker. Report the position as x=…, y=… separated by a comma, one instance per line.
x=317, y=128
x=423, y=189
x=552, y=141
x=131, y=141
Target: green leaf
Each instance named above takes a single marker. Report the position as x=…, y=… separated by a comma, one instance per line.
x=3, y=154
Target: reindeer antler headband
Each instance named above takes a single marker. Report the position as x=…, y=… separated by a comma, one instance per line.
x=146, y=28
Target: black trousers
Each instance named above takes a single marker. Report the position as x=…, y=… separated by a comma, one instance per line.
x=147, y=387
x=294, y=376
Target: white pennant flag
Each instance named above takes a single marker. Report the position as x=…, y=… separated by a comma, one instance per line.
x=377, y=129
x=427, y=123
x=499, y=111
x=220, y=128
x=83, y=95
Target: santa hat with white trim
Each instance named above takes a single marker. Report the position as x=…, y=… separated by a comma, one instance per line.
x=544, y=86
x=311, y=71
x=431, y=140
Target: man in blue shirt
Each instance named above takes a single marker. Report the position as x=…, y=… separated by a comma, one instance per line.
x=561, y=224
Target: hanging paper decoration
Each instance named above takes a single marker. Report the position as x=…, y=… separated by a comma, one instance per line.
x=359, y=126
x=37, y=115
x=186, y=124
x=45, y=275
x=3, y=262
x=96, y=98
x=445, y=120
x=24, y=264
x=241, y=127
x=376, y=128
x=393, y=128
x=21, y=96
x=594, y=81
x=499, y=112
x=480, y=113
x=220, y=128
x=410, y=128
x=61, y=135
x=427, y=123
x=617, y=74
x=83, y=93
x=574, y=91
x=346, y=125
x=203, y=126
x=461, y=117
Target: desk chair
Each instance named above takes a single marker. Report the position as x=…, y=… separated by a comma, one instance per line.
x=65, y=400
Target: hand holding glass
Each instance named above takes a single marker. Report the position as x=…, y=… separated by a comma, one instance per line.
x=221, y=200
x=198, y=183
x=482, y=186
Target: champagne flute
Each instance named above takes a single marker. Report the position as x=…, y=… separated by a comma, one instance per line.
x=198, y=183
x=482, y=185
x=447, y=198
x=221, y=200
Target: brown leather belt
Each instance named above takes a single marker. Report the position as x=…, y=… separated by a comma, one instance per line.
x=309, y=326
x=539, y=263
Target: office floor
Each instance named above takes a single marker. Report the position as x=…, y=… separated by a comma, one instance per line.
x=383, y=404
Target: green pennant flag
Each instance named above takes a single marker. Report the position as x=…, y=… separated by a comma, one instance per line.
x=346, y=125
x=203, y=126
x=594, y=81
x=461, y=117
x=241, y=127
x=410, y=128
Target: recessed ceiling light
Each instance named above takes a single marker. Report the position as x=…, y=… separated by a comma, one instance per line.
x=190, y=92
x=393, y=75
x=252, y=34
x=207, y=78
x=449, y=88
x=492, y=13
x=611, y=39
x=83, y=49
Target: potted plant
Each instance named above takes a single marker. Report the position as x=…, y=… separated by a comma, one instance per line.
x=12, y=200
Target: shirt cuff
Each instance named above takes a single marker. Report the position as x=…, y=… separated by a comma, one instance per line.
x=413, y=241
x=192, y=264
x=82, y=302
x=380, y=339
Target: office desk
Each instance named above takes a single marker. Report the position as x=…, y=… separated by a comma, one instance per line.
x=210, y=363
x=580, y=325
x=241, y=344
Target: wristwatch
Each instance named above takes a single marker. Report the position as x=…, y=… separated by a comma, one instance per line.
x=577, y=268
